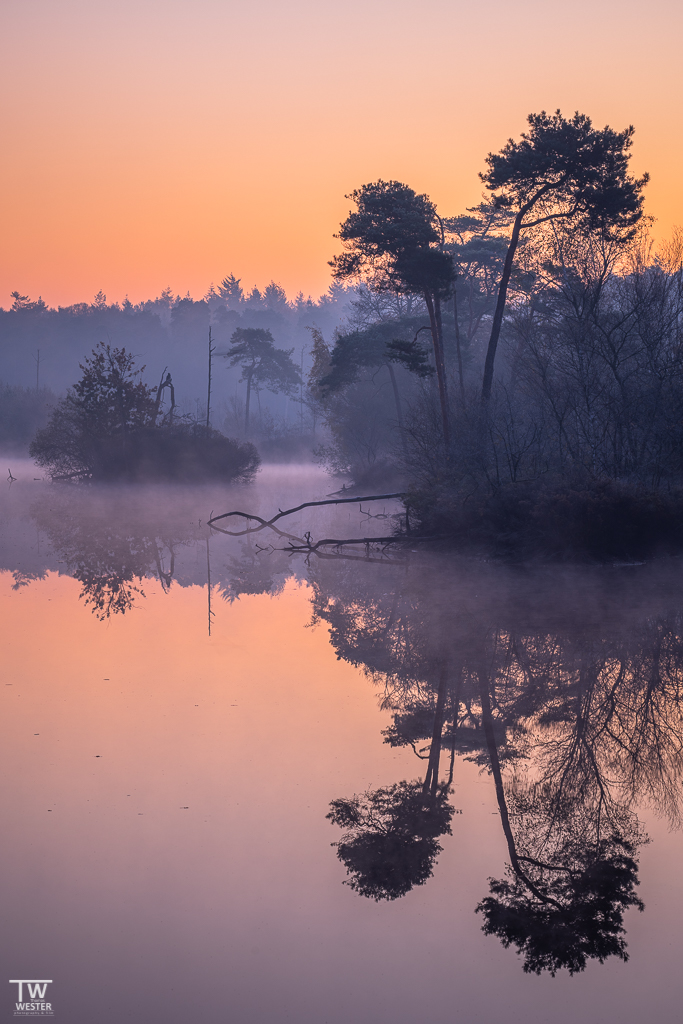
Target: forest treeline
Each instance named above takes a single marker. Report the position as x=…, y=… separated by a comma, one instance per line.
x=43, y=347
x=42, y=350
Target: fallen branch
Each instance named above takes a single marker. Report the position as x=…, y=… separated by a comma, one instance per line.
x=297, y=544
x=306, y=504
x=243, y=533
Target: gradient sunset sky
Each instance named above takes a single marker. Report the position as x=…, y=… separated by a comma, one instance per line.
x=149, y=144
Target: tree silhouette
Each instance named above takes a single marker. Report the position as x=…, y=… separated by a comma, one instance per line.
x=105, y=429
x=374, y=347
x=575, y=711
x=561, y=170
x=573, y=915
x=263, y=365
x=390, y=839
x=392, y=239
x=564, y=902
x=91, y=430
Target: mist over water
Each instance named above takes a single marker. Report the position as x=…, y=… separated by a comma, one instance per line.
x=183, y=708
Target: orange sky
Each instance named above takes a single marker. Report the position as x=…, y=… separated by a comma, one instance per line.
x=150, y=143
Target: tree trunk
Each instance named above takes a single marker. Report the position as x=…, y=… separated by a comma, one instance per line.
x=208, y=393
x=159, y=390
x=487, y=720
x=246, y=407
x=440, y=369
x=455, y=708
x=489, y=733
x=439, y=327
x=500, y=307
x=397, y=402
x=431, y=781
x=457, y=344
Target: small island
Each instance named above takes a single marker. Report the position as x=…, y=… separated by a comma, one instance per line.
x=110, y=427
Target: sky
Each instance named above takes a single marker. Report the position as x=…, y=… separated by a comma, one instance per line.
x=150, y=144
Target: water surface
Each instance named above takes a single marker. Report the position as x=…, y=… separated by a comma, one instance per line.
x=182, y=708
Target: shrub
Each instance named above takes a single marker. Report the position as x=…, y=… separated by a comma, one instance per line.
x=106, y=429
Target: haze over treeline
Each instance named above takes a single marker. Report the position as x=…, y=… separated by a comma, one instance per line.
x=167, y=331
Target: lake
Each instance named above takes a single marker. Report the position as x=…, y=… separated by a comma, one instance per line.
x=193, y=720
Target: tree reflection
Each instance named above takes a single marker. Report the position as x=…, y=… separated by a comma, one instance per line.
x=570, y=698
x=113, y=540
x=565, y=686
x=390, y=839
x=110, y=556
x=390, y=842
x=572, y=870
x=255, y=570
x=574, y=909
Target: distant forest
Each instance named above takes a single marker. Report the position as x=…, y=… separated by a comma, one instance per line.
x=166, y=332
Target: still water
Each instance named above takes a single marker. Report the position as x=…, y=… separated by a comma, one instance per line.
x=191, y=720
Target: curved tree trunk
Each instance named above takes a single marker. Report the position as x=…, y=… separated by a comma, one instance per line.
x=500, y=307
x=487, y=721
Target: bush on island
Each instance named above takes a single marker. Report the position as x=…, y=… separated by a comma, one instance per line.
x=106, y=429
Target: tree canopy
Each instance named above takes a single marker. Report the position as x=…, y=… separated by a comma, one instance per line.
x=572, y=169
x=263, y=365
x=561, y=169
x=577, y=914
x=391, y=236
x=375, y=346
x=393, y=241
x=390, y=840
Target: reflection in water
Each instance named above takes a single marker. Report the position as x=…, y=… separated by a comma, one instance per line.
x=111, y=551
x=572, y=873
x=390, y=838
x=110, y=557
x=575, y=711
x=563, y=685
